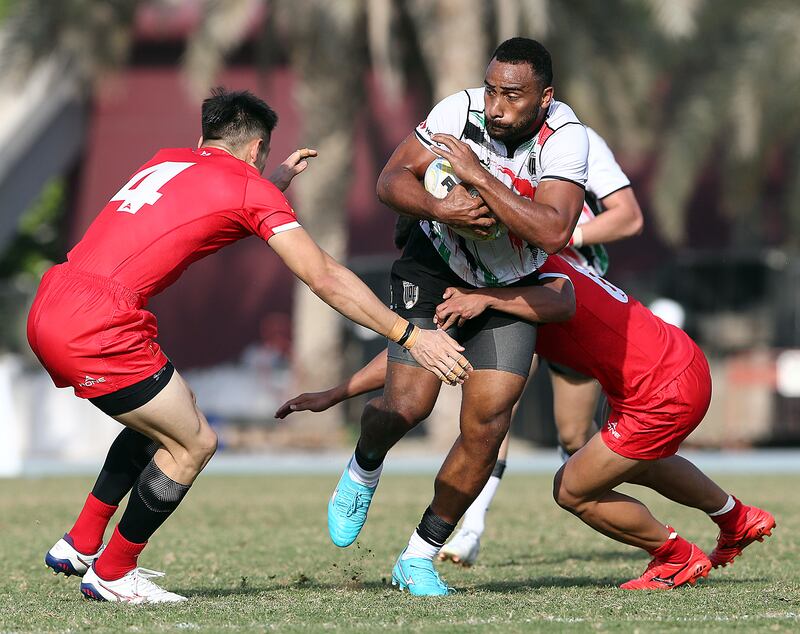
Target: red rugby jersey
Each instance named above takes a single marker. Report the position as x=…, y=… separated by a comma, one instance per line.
x=614, y=338
x=180, y=206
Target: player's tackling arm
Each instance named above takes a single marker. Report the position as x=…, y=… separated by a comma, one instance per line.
x=554, y=300
x=551, y=300
x=371, y=377
x=344, y=291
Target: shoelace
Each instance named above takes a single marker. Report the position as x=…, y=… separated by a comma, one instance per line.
x=142, y=581
x=354, y=505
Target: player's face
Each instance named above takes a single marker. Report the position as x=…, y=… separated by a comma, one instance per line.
x=513, y=101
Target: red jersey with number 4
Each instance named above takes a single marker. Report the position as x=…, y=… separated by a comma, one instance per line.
x=88, y=324
x=180, y=206
x=614, y=338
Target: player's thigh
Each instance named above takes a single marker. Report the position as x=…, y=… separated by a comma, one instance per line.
x=410, y=390
x=490, y=394
x=574, y=400
x=595, y=470
x=172, y=418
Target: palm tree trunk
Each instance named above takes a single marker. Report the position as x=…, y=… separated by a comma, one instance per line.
x=328, y=61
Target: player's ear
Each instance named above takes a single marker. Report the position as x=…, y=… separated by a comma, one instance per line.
x=547, y=97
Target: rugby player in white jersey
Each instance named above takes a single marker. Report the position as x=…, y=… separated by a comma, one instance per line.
x=575, y=396
x=526, y=156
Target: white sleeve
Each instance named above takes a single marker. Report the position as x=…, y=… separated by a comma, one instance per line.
x=449, y=116
x=564, y=155
x=605, y=174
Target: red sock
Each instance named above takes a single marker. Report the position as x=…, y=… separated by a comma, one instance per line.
x=676, y=550
x=731, y=521
x=118, y=558
x=87, y=534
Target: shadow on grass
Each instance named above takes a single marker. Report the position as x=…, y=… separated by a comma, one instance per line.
x=508, y=586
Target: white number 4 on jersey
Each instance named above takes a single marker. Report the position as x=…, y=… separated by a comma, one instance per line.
x=143, y=188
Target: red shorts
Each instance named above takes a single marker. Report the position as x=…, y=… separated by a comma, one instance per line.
x=657, y=429
x=91, y=333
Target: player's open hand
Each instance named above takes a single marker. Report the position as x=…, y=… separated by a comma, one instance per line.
x=459, y=305
x=464, y=161
x=436, y=351
x=307, y=402
x=291, y=167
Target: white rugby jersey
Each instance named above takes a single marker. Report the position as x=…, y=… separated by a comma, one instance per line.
x=605, y=178
x=558, y=151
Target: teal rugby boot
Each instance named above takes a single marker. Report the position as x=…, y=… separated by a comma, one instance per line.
x=419, y=577
x=347, y=510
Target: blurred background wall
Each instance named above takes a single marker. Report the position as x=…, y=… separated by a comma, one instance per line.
x=697, y=98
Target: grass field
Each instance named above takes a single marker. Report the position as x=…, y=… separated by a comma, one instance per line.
x=253, y=554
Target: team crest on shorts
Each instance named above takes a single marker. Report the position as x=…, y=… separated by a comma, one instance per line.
x=410, y=294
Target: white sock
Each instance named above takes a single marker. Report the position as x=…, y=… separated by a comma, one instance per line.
x=418, y=547
x=727, y=507
x=362, y=476
x=474, y=518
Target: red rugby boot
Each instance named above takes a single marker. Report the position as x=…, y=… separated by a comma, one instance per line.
x=755, y=525
x=662, y=575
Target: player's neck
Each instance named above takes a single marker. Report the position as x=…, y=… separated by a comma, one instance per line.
x=220, y=146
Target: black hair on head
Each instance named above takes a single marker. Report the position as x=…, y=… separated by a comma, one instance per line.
x=236, y=117
x=523, y=50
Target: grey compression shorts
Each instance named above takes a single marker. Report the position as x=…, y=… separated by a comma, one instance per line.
x=492, y=341
x=508, y=348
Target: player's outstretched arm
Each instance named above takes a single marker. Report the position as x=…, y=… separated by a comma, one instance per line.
x=552, y=300
x=371, y=377
x=344, y=291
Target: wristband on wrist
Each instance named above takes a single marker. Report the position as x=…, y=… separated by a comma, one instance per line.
x=412, y=338
x=577, y=238
x=406, y=334
x=398, y=329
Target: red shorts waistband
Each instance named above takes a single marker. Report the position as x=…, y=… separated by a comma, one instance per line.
x=71, y=271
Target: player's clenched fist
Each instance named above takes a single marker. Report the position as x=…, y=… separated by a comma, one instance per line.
x=436, y=351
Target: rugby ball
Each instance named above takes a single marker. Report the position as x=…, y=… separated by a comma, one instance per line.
x=440, y=179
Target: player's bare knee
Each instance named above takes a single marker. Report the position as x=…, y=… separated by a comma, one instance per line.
x=572, y=442
x=402, y=412
x=564, y=496
x=485, y=430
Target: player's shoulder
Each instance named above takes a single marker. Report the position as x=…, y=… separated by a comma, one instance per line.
x=560, y=114
x=263, y=192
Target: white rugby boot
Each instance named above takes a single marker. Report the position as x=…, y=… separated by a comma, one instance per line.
x=462, y=549
x=135, y=588
x=63, y=558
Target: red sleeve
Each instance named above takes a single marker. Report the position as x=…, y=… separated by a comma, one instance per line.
x=266, y=209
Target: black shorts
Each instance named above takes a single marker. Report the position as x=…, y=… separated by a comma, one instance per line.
x=129, y=398
x=492, y=341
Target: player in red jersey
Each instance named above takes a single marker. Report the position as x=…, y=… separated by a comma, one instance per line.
x=658, y=386
x=89, y=327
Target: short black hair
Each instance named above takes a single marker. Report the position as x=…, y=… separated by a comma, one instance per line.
x=523, y=50
x=236, y=117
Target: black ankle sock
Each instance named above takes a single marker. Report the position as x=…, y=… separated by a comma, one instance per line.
x=433, y=529
x=367, y=464
x=499, y=469
x=153, y=499
x=129, y=454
